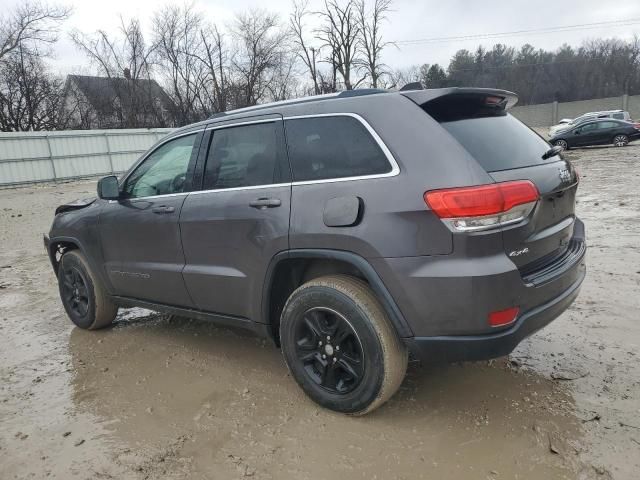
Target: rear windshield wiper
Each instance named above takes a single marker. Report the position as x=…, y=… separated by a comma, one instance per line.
x=552, y=152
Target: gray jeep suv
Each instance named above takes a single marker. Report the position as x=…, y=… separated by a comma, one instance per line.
x=353, y=229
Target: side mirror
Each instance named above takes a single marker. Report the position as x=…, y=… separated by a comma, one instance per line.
x=577, y=132
x=108, y=188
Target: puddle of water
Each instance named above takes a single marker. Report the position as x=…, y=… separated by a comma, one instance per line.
x=226, y=403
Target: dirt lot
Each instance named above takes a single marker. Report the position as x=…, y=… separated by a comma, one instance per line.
x=159, y=397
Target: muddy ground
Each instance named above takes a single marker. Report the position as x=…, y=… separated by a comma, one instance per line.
x=160, y=397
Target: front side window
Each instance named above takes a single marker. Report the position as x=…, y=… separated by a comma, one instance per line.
x=332, y=147
x=164, y=171
x=243, y=156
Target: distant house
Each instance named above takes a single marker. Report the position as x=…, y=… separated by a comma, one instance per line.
x=115, y=102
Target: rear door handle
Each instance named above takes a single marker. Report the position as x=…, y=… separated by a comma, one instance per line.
x=163, y=209
x=263, y=203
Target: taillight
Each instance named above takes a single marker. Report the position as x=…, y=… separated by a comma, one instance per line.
x=485, y=206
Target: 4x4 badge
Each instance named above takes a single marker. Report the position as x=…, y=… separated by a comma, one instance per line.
x=565, y=175
x=517, y=253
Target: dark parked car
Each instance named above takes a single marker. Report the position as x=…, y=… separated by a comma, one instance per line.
x=597, y=132
x=351, y=229
x=568, y=123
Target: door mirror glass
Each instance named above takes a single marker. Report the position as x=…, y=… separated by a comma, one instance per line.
x=108, y=188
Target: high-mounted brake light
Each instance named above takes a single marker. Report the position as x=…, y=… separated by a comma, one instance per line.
x=493, y=100
x=485, y=206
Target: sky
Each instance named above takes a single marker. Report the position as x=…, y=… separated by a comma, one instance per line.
x=409, y=20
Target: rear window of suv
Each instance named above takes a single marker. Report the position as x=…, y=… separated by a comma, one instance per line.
x=332, y=147
x=498, y=142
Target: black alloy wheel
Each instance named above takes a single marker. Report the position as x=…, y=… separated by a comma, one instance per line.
x=74, y=291
x=340, y=346
x=85, y=300
x=330, y=350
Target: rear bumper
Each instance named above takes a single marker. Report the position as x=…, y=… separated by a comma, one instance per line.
x=447, y=299
x=481, y=347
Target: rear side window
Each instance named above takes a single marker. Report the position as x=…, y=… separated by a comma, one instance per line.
x=332, y=147
x=618, y=116
x=243, y=156
x=605, y=125
x=498, y=142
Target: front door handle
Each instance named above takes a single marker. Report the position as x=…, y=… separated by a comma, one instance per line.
x=264, y=203
x=163, y=209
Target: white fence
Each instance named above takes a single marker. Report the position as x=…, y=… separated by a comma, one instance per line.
x=28, y=157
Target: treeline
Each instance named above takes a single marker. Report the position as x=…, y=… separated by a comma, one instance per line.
x=206, y=67
x=599, y=68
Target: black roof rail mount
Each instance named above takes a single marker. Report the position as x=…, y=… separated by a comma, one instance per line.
x=412, y=86
x=360, y=92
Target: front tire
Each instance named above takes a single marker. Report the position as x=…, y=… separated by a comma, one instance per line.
x=621, y=140
x=340, y=346
x=83, y=297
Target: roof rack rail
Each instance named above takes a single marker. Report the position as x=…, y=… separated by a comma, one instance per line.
x=294, y=101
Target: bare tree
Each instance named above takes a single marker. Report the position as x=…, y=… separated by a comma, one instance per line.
x=370, y=40
x=31, y=24
x=340, y=33
x=178, y=41
x=261, y=43
x=399, y=77
x=284, y=83
x=215, y=57
x=125, y=59
x=29, y=95
x=306, y=53
x=114, y=56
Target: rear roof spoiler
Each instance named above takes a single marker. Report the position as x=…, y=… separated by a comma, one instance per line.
x=422, y=97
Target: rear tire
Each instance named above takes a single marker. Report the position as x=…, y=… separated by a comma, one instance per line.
x=620, y=140
x=83, y=296
x=561, y=143
x=340, y=346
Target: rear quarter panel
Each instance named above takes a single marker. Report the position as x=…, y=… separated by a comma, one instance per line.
x=395, y=220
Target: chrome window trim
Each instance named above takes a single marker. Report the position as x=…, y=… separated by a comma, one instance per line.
x=200, y=192
x=151, y=197
x=237, y=189
x=395, y=168
x=239, y=124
